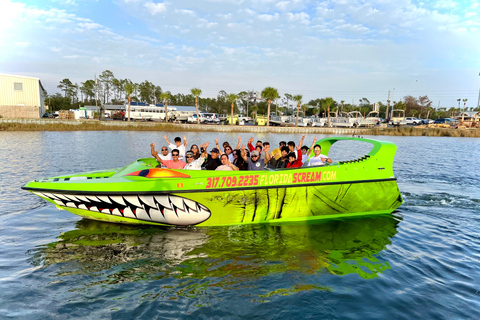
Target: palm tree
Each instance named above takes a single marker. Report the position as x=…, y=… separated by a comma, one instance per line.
x=232, y=97
x=164, y=96
x=298, y=99
x=289, y=97
x=328, y=103
x=304, y=109
x=270, y=94
x=196, y=92
x=343, y=101
x=129, y=89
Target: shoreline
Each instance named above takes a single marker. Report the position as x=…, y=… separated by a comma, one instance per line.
x=95, y=125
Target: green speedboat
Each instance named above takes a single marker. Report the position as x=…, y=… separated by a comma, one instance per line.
x=140, y=193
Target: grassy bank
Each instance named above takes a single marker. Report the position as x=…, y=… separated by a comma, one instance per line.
x=427, y=132
x=72, y=125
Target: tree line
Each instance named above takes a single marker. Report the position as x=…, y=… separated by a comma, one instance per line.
x=107, y=89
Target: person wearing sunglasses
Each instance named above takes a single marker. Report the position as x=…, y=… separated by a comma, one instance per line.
x=227, y=148
x=176, y=163
x=318, y=159
x=254, y=162
x=238, y=160
x=164, y=155
x=192, y=163
x=196, y=151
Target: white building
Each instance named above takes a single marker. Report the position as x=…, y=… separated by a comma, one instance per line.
x=21, y=97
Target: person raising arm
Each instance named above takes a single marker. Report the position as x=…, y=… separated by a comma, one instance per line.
x=176, y=163
x=318, y=159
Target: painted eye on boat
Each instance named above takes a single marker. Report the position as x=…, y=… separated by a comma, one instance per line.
x=158, y=173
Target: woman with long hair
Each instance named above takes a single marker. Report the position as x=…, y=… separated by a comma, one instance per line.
x=238, y=160
x=196, y=151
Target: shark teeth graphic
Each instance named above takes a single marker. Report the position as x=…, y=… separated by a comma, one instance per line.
x=166, y=209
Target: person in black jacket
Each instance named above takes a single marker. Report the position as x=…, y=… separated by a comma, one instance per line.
x=213, y=161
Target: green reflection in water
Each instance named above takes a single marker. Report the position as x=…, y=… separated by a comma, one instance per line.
x=191, y=262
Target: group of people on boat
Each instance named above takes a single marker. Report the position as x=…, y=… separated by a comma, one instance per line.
x=242, y=157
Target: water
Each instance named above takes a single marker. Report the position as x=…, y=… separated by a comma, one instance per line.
x=420, y=262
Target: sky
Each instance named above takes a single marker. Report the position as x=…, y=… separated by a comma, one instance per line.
x=345, y=49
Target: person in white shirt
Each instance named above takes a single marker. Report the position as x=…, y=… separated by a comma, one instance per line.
x=178, y=145
x=318, y=159
x=192, y=163
x=165, y=155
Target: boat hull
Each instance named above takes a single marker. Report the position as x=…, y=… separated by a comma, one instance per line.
x=229, y=207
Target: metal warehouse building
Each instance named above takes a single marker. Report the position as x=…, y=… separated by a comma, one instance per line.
x=21, y=97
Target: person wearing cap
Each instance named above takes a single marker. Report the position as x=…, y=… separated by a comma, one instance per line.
x=254, y=162
x=226, y=164
x=176, y=163
x=192, y=163
x=178, y=145
x=213, y=160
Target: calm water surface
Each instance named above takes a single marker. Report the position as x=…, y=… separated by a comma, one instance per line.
x=420, y=262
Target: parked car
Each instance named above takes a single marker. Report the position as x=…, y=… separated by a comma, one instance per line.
x=211, y=118
x=413, y=121
x=48, y=115
x=449, y=121
x=243, y=118
x=426, y=121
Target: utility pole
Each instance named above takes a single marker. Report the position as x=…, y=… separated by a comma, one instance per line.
x=96, y=107
x=478, y=103
x=388, y=107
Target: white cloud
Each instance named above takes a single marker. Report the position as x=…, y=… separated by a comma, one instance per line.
x=226, y=16
x=470, y=14
x=186, y=12
x=155, y=8
x=90, y=25
x=282, y=5
x=268, y=17
x=301, y=17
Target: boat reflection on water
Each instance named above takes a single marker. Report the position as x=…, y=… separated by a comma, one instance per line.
x=221, y=256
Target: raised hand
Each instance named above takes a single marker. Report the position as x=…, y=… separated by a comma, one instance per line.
x=216, y=141
x=152, y=145
x=165, y=136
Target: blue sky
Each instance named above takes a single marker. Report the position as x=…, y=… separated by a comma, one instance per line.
x=346, y=49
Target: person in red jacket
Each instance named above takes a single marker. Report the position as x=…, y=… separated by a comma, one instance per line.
x=295, y=162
